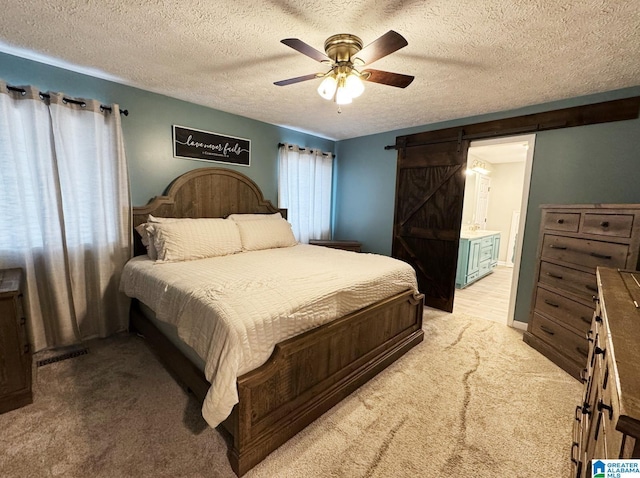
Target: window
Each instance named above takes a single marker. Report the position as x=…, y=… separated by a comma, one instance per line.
x=64, y=193
x=304, y=189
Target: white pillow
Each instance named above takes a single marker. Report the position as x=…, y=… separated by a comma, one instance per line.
x=189, y=239
x=147, y=240
x=260, y=234
x=253, y=217
x=146, y=234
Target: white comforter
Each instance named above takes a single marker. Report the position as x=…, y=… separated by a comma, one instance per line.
x=232, y=310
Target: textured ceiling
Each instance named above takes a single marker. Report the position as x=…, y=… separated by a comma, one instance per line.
x=468, y=56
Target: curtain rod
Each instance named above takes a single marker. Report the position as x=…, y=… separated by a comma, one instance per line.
x=304, y=149
x=64, y=99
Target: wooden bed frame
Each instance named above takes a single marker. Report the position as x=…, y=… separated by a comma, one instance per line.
x=307, y=374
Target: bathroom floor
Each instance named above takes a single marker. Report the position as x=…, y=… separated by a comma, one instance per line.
x=487, y=298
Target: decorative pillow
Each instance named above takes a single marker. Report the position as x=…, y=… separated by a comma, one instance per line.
x=189, y=239
x=253, y=217
x=260, y=234
x=147, y=240
x=146, y=234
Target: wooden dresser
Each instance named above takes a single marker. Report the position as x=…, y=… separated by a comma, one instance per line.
x=15, y=354
x=574, y=240
x=607, y=420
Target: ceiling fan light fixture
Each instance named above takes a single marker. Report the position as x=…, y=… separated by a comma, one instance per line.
x=343, y=96
x=354, y=85
x=344, y=55
x=328, y=87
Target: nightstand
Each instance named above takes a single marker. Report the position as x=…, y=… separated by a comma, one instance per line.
x=344, y=245
x=15, y=353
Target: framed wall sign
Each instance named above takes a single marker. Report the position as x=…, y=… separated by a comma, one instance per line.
x=207, y=146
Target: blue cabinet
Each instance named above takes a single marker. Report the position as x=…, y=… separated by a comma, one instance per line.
x=477, y=256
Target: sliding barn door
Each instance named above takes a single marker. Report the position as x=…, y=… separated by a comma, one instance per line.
x=428, y=213
x=430, y=185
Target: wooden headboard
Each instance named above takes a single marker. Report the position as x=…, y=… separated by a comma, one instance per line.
x=204, y=192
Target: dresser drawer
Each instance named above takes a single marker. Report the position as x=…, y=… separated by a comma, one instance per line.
x=561, y=221
x=473, y=276
x=584, y=252
x=485, y=268
x=573, y=314
x=615, y=225
x=486, y=242
x=577, y=282
x=571, y=344
x=486, y=253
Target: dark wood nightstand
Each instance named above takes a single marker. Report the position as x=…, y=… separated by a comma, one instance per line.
x=354, y=246
x=15, y=353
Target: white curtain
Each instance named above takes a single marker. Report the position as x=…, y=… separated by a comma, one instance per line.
x=65, y=220
x=304, y=189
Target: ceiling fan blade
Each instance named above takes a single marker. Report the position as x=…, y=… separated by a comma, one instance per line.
x=297, y=79
x=305, y=49
x=387, y=78
x=383, y=46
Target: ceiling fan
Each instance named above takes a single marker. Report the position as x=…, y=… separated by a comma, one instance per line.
x=344, y=56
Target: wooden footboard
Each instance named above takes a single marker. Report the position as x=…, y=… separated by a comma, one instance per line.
x=305, y=376
x=310, y=373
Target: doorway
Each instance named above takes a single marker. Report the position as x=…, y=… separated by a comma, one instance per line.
x=430, y=185
x=495, y=200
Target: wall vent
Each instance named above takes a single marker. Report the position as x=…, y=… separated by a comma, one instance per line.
x=63, y=356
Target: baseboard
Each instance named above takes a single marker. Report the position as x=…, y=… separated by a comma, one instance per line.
x=519, y=325
x=504, y=263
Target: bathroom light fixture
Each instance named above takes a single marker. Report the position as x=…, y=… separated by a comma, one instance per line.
x=479, y=167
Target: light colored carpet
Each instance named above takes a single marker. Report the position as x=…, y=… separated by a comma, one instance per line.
x=471, y=400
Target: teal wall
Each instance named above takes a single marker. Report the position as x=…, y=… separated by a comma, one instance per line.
x=588, y=164
x=147, y=130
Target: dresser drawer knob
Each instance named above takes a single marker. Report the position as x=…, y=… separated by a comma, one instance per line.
x=598, y=319
x=598, y=351
x=547, y=330
x=585, y=409
x=574, y=445
x=583, y=376
x=555, y=276
x=600, y=256
x=562, y=248
x=548, y=302
x=598, y=423
x=23, y=320
x=603, y=406
x=604, y=223
x=560, y=221
x=26, y=349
